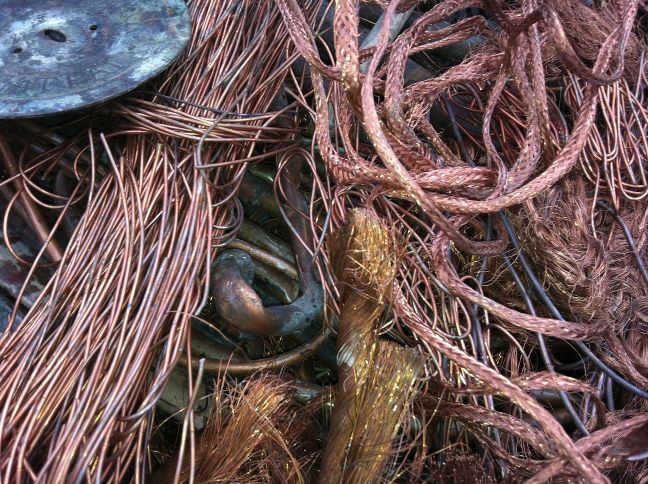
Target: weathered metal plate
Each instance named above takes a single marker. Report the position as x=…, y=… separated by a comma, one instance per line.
x=59, y=55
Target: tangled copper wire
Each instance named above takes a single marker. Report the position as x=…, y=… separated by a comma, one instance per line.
x=384, y=152
x=513, y=181
x=85, y=368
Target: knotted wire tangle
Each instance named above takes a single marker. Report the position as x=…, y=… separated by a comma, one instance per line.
x=542, y=121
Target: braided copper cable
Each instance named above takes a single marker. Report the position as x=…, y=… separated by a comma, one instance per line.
x=373, y=132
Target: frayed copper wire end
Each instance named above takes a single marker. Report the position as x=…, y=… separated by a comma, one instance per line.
x=256, y=433
x=376, y=378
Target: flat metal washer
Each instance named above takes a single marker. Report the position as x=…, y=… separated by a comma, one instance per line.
x=60, y=55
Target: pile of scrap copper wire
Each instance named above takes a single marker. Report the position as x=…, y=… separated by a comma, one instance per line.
x=351, y=241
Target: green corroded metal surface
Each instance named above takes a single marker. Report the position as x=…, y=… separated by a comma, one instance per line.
x=60, y=55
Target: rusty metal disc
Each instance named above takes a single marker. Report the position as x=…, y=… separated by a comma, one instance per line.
x=60, y=55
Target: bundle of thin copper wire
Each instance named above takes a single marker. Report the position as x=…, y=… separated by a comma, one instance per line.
x=82, y=373
x=462, y=209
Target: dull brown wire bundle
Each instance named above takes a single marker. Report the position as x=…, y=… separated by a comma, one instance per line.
x=77, y=392
x=557, y=228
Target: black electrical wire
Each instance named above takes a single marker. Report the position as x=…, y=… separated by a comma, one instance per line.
x=548, y=302
x=628, y=236
x=535, y=282
x=523, y=292
x=546, y=358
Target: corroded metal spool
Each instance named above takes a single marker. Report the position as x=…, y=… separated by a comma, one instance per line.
x=60, y=55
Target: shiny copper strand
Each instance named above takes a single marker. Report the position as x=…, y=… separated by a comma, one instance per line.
x=255, y=433
x=77, y=392
x=410, y=174
x=376, y=378
x=525, y=147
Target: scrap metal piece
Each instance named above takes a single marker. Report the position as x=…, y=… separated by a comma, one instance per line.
x=58, y=55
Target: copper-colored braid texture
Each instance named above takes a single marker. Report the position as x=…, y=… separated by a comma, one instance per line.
x=514, y=145
x=465, y=201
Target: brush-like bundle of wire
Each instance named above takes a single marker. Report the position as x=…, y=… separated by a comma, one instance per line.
x=376, y=378
x=256, y=433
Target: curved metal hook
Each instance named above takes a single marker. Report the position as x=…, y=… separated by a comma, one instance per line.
x=238, y=303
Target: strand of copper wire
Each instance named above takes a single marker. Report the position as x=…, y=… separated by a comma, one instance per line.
x=51, y=159
x=31, y=212
x=623, y=367
x=82, y=279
